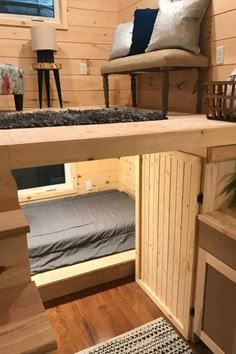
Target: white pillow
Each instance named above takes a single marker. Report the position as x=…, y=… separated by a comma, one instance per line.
x=178, y=25
x=122, y=40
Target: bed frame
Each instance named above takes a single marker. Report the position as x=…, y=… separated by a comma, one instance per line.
x=67, y=280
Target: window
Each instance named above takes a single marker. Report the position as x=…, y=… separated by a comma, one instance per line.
x=36, y=177
x=44, y=182
x=47, y=9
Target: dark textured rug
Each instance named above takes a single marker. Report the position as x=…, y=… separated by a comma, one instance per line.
x=40, y=119
x=156, y=337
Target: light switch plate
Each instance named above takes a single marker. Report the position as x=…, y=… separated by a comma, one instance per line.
x=220, y=55
x=83, y=69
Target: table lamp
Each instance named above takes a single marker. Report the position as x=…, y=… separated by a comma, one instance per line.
x=44, y=43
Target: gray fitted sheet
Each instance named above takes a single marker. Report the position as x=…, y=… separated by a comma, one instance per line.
x=76, y=229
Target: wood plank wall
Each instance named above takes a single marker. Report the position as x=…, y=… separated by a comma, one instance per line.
x=104, y=175
x=127, y=169
x=170, y=184
x=88, y=39
x=218, y=29
x=216, y=177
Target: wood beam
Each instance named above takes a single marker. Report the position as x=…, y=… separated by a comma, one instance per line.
x=221, y=153
x=47, y=146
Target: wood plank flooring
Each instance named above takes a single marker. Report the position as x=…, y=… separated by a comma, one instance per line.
x=93, y=316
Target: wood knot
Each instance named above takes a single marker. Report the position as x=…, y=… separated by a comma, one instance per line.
x=2, y=269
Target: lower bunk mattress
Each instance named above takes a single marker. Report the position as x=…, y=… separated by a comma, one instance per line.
x=77, y=229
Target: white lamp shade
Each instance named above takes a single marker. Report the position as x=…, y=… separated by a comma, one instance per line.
x=43, y=38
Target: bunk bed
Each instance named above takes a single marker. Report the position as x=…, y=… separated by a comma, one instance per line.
x=77, y=229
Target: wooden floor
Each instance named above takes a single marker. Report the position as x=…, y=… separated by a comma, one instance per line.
x=93, y=316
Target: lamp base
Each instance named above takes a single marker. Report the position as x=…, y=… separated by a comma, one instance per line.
x=45, y=56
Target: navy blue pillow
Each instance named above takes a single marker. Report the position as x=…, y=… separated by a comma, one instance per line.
x=144, y=21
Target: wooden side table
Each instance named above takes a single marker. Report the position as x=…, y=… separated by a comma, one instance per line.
x=44, y=69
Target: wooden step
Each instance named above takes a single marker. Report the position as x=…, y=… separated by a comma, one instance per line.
x=24, y=326
x=13, y=223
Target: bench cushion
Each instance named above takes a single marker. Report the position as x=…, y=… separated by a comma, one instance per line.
x=154, y=60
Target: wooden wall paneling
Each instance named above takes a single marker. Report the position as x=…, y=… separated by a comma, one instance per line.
x=219, y=7
x=102, y=173
x=138, y=216
x=218, y=30
x=151, y=217
x=170, y=185
x=127, y=171
x=70, y=99
x=160, y=223
x=101, y=5
x=145, y=187
x=88, y=39
x=91, y=18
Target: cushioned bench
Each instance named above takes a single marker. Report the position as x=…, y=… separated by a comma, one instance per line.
x=163, y=61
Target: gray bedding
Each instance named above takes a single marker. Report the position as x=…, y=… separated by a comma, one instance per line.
x=77, y=229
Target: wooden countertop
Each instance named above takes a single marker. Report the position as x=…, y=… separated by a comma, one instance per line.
x=223, y=220
x=46, y=146
x=24, y=326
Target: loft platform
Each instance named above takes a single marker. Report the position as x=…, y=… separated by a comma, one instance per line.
x=46, y=146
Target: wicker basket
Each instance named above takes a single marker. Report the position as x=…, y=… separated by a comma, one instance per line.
x=221, y=101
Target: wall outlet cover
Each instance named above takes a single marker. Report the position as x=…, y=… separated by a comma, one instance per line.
x=220, y=55
x=83, y=69
x=89, y=185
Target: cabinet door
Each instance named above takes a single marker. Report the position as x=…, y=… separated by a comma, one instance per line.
x=215, y=312
x=169, y=186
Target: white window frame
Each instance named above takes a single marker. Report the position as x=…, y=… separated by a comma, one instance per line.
x=59, y=21
x=52, y=191
x=56, y=18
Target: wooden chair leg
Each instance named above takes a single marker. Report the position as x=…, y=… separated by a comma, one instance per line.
x=134, y=90
x=165, y=91
x=106, y=90
x=58, y=85
x=40, y=87
x=200, y=89
x=19, y=100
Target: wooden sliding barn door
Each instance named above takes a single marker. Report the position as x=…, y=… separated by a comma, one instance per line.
x=166, y=231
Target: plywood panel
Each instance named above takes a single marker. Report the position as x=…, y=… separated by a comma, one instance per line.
x=170, y=185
